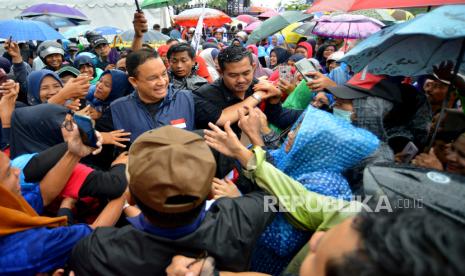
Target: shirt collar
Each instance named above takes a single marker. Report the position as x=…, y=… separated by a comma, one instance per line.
x=141, y=223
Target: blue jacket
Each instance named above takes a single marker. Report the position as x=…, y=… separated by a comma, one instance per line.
x=130, y=114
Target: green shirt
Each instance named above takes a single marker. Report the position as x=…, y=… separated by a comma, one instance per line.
x=318, y=213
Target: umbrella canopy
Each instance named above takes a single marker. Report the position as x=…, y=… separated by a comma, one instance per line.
x=275, y=24
x=305, y=29
x=149, y=36
x=400, y=15
x=346, y=26
x=236, y=22
x=212, y=17
x=258, y=9
x=353, y=5
x=54, y=9
x=21, y=30
x=382, y=15
x=289, y=35
x=412, y=48
x=252, y=26
x=107, y=30
x=75, y=31
x=56, y=22
x=268, y=14
x=155, y=4
x=246, y=18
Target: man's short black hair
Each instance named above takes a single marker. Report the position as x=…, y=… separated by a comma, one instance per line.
x=179, y=48
x=233, y=54
x=156, y=26
x=406, y=242
x=137, y=58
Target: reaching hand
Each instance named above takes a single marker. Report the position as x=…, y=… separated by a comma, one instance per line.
x=115, y=137
x=74, y=105
x=9, y=90
x=320, y=82
x=184, y=266
x=251, y=124
x=121, y=159
x=13, y=50
x=270, y=92
x=140, y=24
x=224, y=188
x=428, y=160
x=286, y=86
x=225, y=142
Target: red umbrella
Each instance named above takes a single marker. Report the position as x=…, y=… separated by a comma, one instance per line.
x=353, y=5
x=212, y=17
x=246, y=18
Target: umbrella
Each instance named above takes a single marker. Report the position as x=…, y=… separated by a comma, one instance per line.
x=418, y=187
x=149, y=36
x=76, y=31
x=400, y=15
x=346, y=26
x=305, y=29
x=21, y=30
x=107, y=30
x=252, y=26
x=257, y=9
x=212, y=17
x=236, y=22
x=54, y=9
x=382, y=15
x=268, y=14
x=353, y=5
x=412, y=48
x=290, y=35
x=275, y=24
x=55, y=22
x=155, y=4
x=246, y=18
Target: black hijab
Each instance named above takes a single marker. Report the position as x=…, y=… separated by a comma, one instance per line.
x=36, y=128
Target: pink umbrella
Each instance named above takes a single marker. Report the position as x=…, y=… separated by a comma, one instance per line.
x=252, y=26
x=346, y=26
x=268, y=14
x=246, y=18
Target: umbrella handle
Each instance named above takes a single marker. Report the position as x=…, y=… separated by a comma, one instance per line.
x=137, y=6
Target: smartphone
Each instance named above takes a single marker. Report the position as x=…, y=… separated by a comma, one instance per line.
x=304, y=66
x=86, y=130
x=409, y=151
x=285, y=72
x=3, y=76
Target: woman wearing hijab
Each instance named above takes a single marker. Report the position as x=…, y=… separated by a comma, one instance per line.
x=260, y=71
x=210, y=55
x=33, y=244
x=85, y=63
x=323, y=54
x=278, y=56
x=46, y=86
x=305, y=49
x=112, y=85
x=274, y=41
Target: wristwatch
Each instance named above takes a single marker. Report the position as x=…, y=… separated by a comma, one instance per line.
x=257, y=97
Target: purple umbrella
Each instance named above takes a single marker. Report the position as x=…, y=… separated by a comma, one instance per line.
x=346, y=26
x=53, y=9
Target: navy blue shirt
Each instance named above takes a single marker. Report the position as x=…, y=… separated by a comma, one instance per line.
x=38, y=249
x=176, y=109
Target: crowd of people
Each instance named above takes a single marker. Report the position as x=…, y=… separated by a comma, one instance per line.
x=195, y=152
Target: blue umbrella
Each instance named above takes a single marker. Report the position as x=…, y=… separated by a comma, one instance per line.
x=413, y=47
x=149, y=36
x=107, y=30
x=76, y=31
x=27, y=30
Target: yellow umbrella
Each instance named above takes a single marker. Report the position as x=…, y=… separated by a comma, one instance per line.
x=289, y=35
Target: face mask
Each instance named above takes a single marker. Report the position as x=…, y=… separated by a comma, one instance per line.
x=343, y=114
